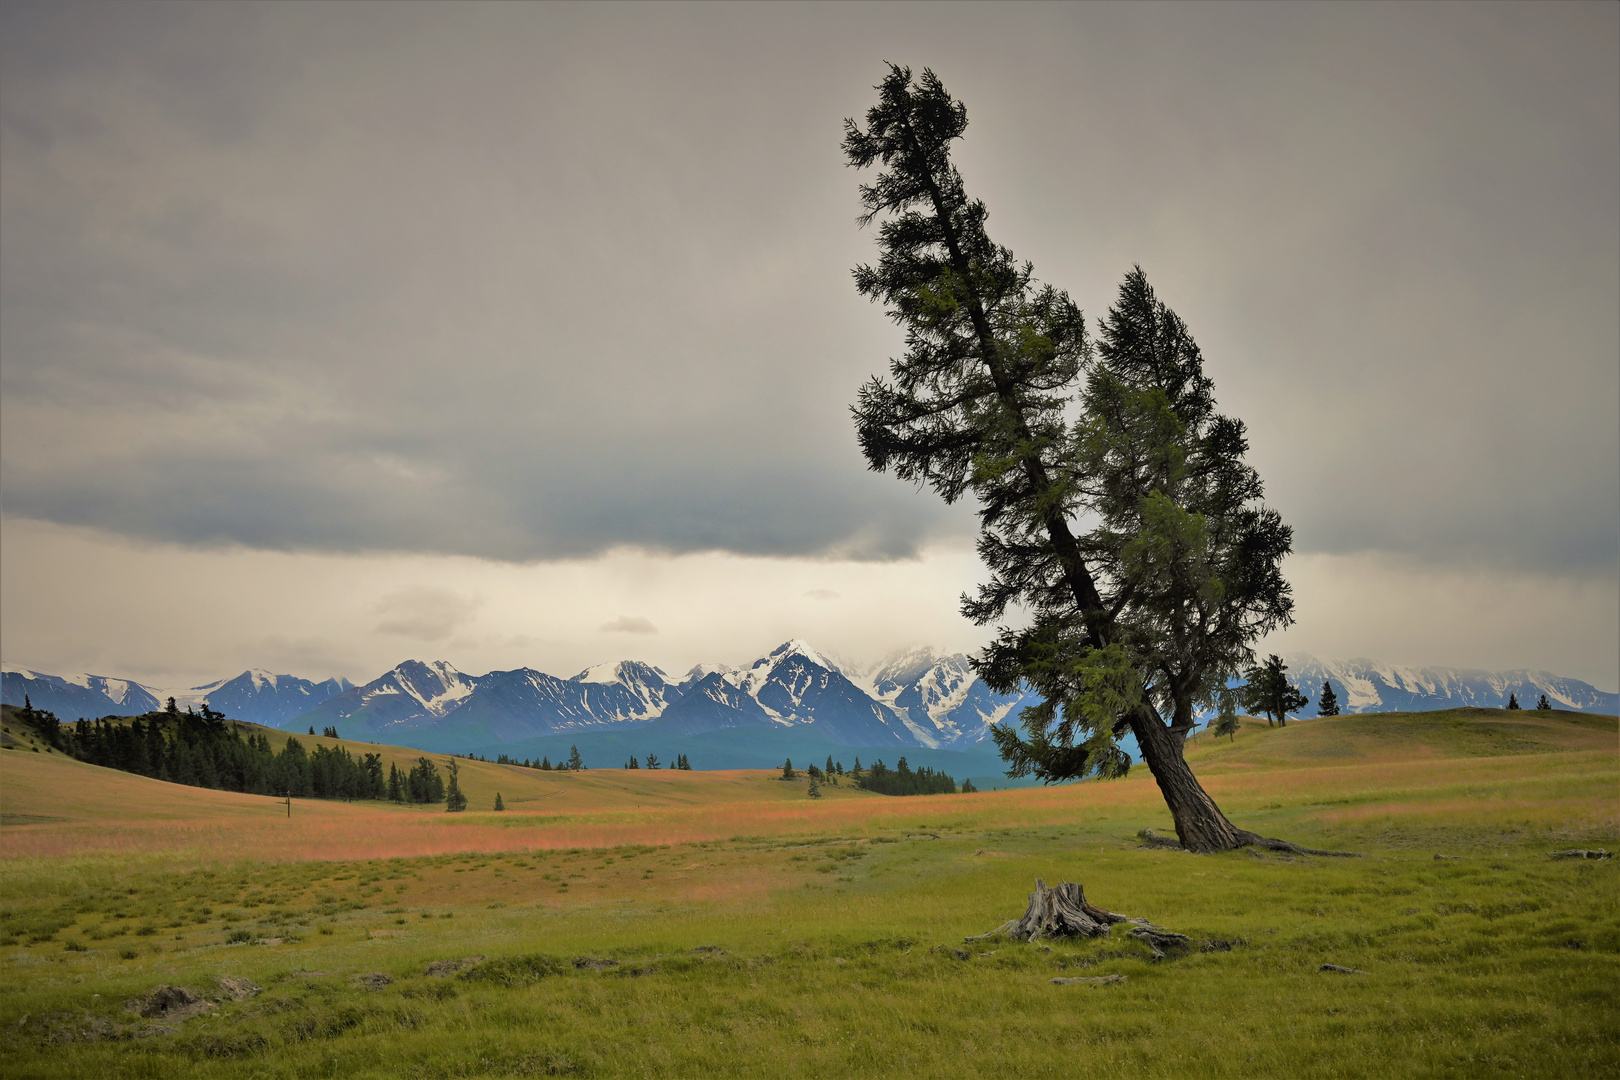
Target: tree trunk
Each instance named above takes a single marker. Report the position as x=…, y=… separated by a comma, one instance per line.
x=1199, y=822
x=1060, y=912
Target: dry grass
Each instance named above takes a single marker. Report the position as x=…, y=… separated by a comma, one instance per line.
x=1499, y=963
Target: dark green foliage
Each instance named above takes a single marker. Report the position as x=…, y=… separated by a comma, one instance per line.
x=1226, y=721
x=45, y=725
x=575, y=762
x=499, y=805
x=815, y=786
x=455, y=801
x=423, y=784
x=1139, y=620
x=1543, y=705
x=1328, y=703
x=652, y=761
x=632, y=763
x=202, y=750
x=903, y=780
x=787, y=770
x=1270, y=692
x=1513, y=701
x=967, y=787
x=682, y=763
x=396, y=785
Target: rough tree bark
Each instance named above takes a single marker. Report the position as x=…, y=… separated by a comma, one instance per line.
x=1065, y=912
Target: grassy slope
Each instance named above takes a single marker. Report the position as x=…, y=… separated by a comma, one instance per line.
x=1497, y=963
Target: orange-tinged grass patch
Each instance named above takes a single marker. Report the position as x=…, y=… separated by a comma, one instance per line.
x=103, y=811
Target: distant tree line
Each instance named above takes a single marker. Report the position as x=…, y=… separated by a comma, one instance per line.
x=653, y=763
x=903, y=780
x=574, y=763
x=202, y=749
x=900, y=780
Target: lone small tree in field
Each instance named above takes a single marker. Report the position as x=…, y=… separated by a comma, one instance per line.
x=1543, y=705
x=498, y=804
x=1328, y=703
x=1513, y=701
x=455, y=801
x=787, y=770
x=575, y=762
x=1003, y=394
x=652, y=761
x=1226, y=723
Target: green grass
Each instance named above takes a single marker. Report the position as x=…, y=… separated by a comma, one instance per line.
x=828, y=954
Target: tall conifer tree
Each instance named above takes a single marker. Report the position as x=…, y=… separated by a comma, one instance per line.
x=1327, y=704
x=1143, y=618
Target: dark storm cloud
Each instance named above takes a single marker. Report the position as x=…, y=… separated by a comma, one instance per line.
x=528, y=282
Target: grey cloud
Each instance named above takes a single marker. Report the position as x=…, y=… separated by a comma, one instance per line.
x=630, y=624
x=442, y=279
x=424, y=613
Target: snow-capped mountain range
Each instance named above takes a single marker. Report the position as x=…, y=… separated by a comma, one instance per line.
x=795, y=686
x=256, y=696
x=1369, y=686
x=914, y=698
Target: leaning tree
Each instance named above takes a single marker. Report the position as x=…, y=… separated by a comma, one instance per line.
x=1114, y=503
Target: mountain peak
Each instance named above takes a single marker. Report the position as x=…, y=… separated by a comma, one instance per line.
x=799, y=647
x=626, y=672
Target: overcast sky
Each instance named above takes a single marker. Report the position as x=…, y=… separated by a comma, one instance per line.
x=524, y=334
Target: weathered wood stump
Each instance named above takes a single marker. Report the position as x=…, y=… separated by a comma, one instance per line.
x=1060, y=912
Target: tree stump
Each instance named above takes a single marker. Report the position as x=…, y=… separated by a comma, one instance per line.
x=1059, y=912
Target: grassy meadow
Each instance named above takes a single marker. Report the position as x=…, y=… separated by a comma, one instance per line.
x=614, y=923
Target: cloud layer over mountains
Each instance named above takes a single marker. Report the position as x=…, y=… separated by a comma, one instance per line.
x=514, y=281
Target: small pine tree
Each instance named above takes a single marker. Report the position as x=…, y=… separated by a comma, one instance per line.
x=498, y=804
x=455, y=801
x=815, y=788
x=1227, y=722
x=396, y=786
x=1328, y=703
x=829, y=769
x=1543, y=705
x=1513, y=701
x=652, y=761
x=575, y=762
x=787, y=770
x=171, y=709
x=632, y=763
x=967, y=786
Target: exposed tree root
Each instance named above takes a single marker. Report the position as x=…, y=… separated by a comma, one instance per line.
x=1065, y=912
x=1060, y=912
x=1248, y=839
